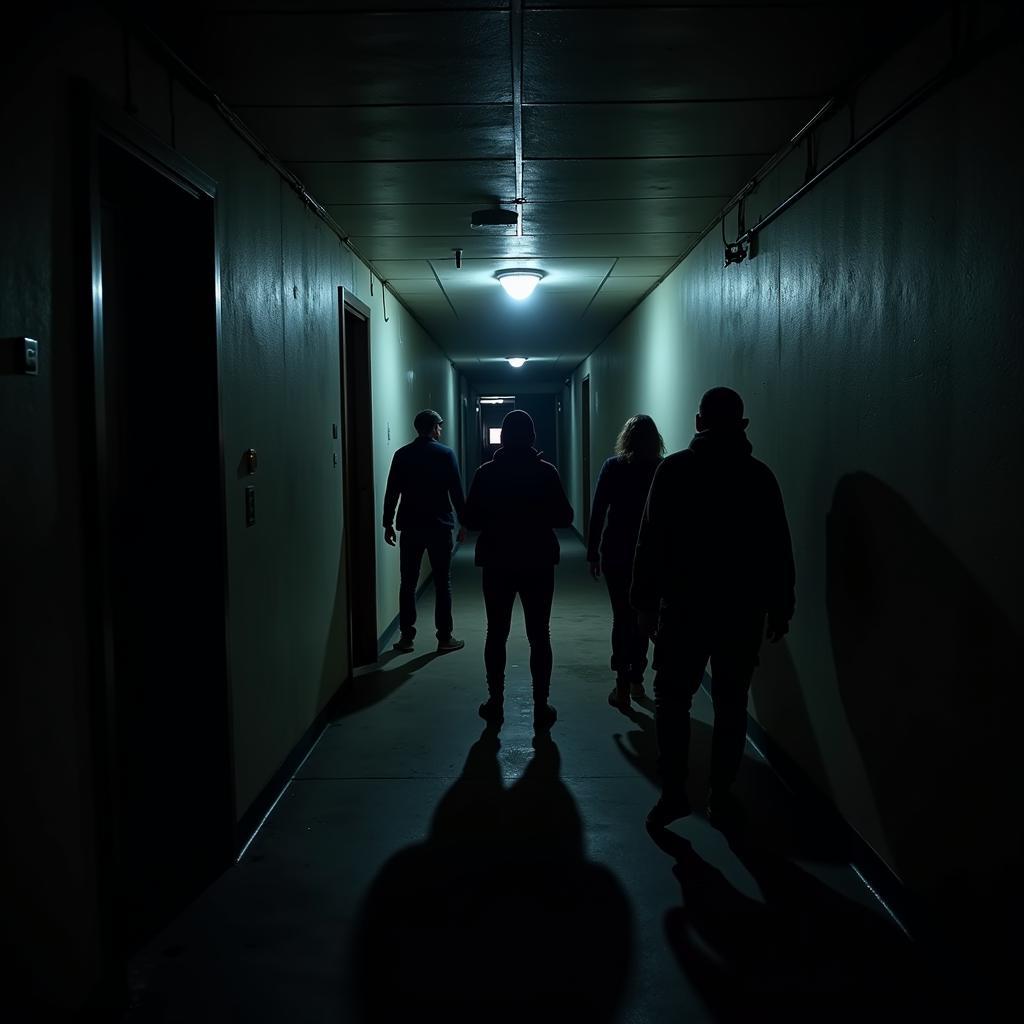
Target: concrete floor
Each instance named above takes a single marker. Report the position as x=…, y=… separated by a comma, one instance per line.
x=421, y=867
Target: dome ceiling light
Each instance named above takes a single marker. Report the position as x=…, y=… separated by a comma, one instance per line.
x=515, y=361
x=519, y=283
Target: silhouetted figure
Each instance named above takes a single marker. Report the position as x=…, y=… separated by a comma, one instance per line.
x=498, y=915
x=619, y=498
x=516, y=500
x=425, y=476
x=713, y=559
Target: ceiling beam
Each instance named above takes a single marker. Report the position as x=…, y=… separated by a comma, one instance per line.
x=516, y=34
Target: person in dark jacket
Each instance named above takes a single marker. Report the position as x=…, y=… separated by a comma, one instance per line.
x=713, y=562
x=516, y=501
x=618, y=507
x=424, y=482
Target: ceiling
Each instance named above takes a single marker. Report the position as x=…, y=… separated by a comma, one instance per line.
x=617, y=132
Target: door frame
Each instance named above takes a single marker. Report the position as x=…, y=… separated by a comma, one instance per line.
x=585, y=453
x=361, y=586
x=95, y=121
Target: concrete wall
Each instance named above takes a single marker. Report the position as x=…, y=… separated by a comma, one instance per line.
x=876, y=339
x=280, y=271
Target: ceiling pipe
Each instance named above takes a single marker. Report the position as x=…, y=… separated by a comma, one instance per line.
x=911, y=102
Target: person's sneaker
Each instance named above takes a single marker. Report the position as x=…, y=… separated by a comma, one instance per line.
x=619, y=699
x=403, y=643
x=450, y=644
x=669, y=807
x=637, y=691
x=544, y=716
x=492, y=710
x=723, y=808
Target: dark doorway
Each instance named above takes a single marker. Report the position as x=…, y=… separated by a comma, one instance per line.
x=493, y=410
x=165, y=734
x=585, y=452
x=358, y=504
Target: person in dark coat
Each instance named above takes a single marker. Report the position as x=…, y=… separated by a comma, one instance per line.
x=424, y=483
x=713, y=563
x=517, y=501
x=618, y=507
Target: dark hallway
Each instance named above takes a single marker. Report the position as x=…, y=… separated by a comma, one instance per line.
x=420, y=866
x=245, y=246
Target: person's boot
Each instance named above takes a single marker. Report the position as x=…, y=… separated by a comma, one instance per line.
x=619, y=697
x=672, y=804
x=544, y=716
x=404, y=643
x=492, y=710
x=636, y=689
x=723, y=808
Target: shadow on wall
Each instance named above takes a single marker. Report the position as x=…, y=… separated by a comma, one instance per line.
x=497, y=916
x=780, y=710
x=929, y=674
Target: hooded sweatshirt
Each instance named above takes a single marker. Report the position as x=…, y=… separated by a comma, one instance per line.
x=517, y=501
x=714, y=535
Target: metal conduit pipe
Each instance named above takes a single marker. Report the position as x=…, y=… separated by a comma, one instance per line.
x=915, y=99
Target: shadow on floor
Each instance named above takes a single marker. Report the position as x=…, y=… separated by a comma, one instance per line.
x=778, y=819
x=365, y=691
x=497, y=915
x=806, y=953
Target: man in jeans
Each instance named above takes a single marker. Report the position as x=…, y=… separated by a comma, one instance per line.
x=424, y=483
x=713, y=564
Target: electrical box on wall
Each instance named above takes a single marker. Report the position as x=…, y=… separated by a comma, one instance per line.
x=19, y=355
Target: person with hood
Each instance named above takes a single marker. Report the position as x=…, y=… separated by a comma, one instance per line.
x=618, y=507
x=713, y=563
x=517, y=501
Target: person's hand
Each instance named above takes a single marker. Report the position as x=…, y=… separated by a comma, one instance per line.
x=595, y=569
x=461, y=535
x=647, y=622
x=390, y=536
x=777, y=629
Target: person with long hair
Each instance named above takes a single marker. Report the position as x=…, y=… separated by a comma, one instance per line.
x=617, y=510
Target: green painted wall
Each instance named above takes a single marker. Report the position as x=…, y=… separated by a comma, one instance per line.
x=280, y=271
x=876, y=339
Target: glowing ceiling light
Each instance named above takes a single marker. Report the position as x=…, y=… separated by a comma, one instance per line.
x=516, y=361
x=519, y=283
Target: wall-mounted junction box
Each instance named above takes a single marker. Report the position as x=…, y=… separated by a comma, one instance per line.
x=19, y=355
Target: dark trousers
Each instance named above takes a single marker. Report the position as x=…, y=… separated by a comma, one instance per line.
x=684, y=645
x=629, y=642
x=536, y=588
x=437, y=542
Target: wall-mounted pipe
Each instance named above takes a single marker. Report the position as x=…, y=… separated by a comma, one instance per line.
x=914, y=100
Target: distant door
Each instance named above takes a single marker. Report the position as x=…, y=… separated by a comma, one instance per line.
x=165, y=730
x=585, y=453
x=358, y=499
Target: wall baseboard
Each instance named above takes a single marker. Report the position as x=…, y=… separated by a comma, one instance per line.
x=249, y=823
x=876, y=874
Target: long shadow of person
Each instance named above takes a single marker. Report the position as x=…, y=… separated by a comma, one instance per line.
x=772, y=811
x=805, y=953
x=497, y=915
x=365, y=691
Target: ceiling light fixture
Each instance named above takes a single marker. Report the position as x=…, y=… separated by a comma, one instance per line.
x=519, y=283
x=516, y=361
